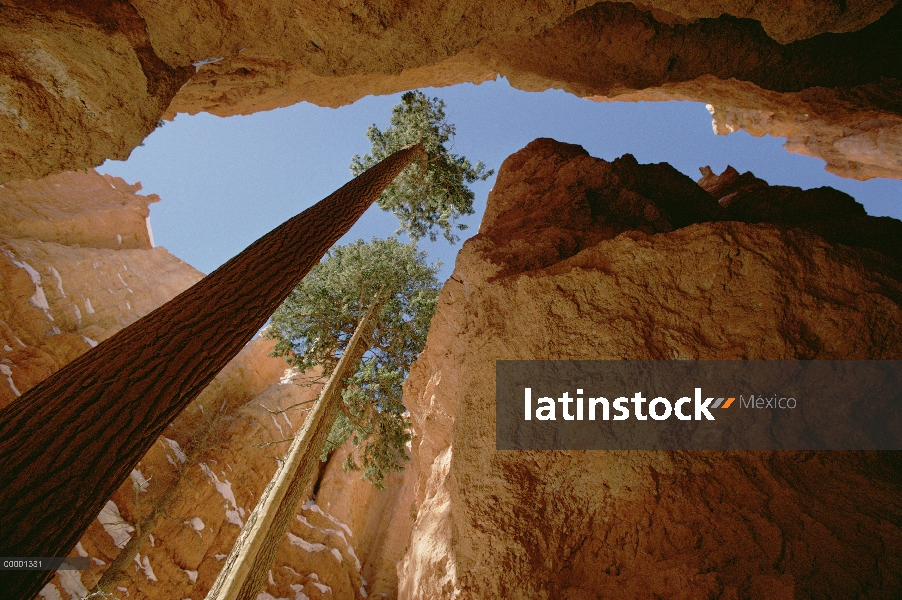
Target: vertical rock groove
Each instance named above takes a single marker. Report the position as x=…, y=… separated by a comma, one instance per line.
x=68, y=443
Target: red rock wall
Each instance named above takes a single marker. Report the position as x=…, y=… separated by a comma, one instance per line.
x=598, y=260
x=617, y=260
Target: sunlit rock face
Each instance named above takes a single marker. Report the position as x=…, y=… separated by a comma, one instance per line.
x=579, y=258
x=83, y=82
x=77, y=264
x=82, y=209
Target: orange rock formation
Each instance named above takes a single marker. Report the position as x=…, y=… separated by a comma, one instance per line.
x=595, y=259
x=80, y=82
x=598, y=260
x=78, y=264
x=617, y=260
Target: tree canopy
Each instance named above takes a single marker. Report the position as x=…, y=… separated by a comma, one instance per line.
x=316, y=321
x=426, y=198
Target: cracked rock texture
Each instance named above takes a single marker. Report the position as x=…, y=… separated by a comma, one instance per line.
x=84, y=81
x=77, y=264
x=616, y=260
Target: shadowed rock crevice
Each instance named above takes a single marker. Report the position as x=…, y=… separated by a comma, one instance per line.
x=832, y=214
x=612, y=48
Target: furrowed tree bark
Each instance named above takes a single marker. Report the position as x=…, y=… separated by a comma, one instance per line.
x=255, y=549
x=68, y=443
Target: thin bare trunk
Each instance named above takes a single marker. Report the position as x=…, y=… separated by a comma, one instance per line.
x=255, y=549
x=113, y=574
x=212, y=432
x=68, y=443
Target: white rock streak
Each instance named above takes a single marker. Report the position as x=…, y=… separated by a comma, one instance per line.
x=59, y=281
x=39, y=299
x=139, y=481
x=114, y=525
x=49, y=592
x=225, y=489
x=322, y=587
x=304, y=544
x=335, y=532
x=9, y=378
x=298, y=594
x=174, y=445
x=196, y=524
x=311, y=505
x=71, y=582
x=149, y=232
x=144, y=564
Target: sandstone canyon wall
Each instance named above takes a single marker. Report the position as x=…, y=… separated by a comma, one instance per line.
x=595, y=259
x=598, y=260
x=77, y=265
x=84, y=81
x=579, y=258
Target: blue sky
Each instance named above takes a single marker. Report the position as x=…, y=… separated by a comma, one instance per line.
x=224, y=182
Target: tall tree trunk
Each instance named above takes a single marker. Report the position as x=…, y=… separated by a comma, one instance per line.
x=255, y=549
x=68, y=443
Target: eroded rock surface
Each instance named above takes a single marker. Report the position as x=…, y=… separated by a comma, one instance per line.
x=80, y=82
x=578, y=258
x=834, y=97
x=77, y=265
x=83, y=209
